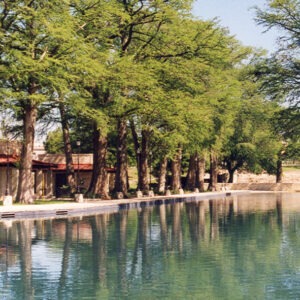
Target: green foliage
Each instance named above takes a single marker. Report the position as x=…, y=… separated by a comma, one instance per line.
x=286, y=122
x=254, y=143
x=292, y=150
x=54, y=142
x=181, y=80
x=281, y=71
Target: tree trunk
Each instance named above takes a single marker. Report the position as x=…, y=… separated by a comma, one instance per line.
x=68, y=149
x=25, y=192
x=137, y=152
x=279, y=171
x=162, y=175
x=232, y=168
x=142, y=151
x=200, y=174
x=121, y=168
x=213, y=172
x=99, y=176
x=190, y=182
x=231, y=175
x=176, y=171
x=144, y=182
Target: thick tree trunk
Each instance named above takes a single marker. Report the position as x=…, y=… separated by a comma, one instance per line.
x=200, y=174
x=121, y=183
x=68, y=149
x=231, y=170
x=137, y=152
x=176, y=171
x=142, y=151
x=162, y=175
x=99, y=176
x=190, y=182
x=279, y=171
x=144, y=182
x=232, y=167
x=25, y=192
x=213, y=172
x=231, y=175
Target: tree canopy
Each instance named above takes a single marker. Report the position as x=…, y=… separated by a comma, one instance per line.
x=139, y=81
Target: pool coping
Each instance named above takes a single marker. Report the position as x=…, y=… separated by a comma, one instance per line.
x=98, y=206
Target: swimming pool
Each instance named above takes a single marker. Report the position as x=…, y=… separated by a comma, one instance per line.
x=236, y=247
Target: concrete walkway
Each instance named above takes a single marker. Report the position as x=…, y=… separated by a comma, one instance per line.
x=34, y=211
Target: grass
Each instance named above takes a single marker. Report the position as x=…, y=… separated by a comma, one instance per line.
x=290, y=169
x=43, y=201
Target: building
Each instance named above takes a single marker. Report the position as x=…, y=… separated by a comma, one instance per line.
x=48, y=172
x=83, y=167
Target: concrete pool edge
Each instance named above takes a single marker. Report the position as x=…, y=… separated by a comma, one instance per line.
x=63, y=210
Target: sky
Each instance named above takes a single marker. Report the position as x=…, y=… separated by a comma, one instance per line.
x=238, y=17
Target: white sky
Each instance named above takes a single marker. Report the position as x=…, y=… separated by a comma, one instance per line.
x=238, y=17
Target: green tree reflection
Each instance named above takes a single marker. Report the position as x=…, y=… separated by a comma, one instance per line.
x=218, y=249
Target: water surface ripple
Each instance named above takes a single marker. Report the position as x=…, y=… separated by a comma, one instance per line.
x=239, y=247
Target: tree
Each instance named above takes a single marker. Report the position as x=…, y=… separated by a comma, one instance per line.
x=253, y=141
x=54, y=142
x=286, y=124
x=184, y=111
x=281, y=72
x=224, y=98
x=40, y=48
x=132, y=27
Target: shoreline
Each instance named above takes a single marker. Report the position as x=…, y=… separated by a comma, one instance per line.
x=90, y=207
x=98, y=206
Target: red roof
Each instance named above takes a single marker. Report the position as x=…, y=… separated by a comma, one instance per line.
x=4, y=159
x=13, y=159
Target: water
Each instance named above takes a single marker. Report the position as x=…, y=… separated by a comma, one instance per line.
x=245, y=247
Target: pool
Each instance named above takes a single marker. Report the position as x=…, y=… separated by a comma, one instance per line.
x=237, y=247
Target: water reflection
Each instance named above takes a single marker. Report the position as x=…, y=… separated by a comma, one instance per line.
x=222, y=248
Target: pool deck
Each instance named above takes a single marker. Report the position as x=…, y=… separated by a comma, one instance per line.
x=96, y=206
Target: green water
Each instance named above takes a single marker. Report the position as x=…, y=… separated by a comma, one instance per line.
x=234, y=248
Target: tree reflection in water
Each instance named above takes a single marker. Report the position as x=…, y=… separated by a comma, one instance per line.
x=25, y=242
x=211, y=248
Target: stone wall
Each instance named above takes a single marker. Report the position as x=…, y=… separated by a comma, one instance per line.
x=288, y=177
x=288, y=187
